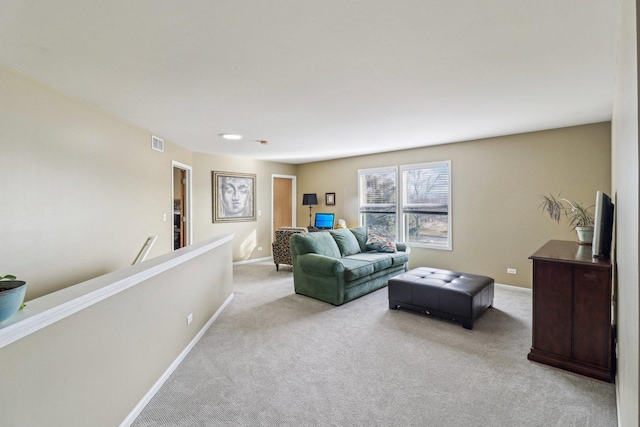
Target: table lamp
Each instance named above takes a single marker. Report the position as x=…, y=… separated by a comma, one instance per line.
x=309, y=199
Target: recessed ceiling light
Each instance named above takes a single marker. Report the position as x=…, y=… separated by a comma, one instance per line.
x=231, y=136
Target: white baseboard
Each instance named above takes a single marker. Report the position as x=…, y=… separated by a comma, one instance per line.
x=514, y=288
x=617, y=394
x=156, y=387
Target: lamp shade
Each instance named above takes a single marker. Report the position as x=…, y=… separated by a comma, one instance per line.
x=309, y=199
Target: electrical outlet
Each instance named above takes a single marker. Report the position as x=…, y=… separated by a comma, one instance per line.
x=189, y=318
x=511, y=270
x=259, y=248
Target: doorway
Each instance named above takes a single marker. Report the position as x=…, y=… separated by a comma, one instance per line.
x=181, y=205
x=283, y=202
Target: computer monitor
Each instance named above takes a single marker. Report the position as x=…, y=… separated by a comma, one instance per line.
x=324, y=221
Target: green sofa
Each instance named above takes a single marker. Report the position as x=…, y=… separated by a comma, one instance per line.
x=336, y=267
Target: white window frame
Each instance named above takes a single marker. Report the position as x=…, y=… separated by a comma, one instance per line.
x=401, y=227
x=362, y=172
x=447, y=246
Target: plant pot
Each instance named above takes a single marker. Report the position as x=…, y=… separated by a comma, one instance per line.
x=11, y=297
x=585, y=235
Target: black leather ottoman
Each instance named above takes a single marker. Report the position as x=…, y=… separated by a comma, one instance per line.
x=448, y=294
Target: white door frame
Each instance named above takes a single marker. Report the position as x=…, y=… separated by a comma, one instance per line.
x=188, y=203
x=294, y=193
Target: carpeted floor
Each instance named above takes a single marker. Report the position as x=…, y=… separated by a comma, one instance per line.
x=274, y=358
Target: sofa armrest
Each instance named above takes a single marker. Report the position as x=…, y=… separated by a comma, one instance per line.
x=403, y=247
x=320, y=264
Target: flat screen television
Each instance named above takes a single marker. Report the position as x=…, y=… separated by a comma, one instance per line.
x=324, y=221
x=603, y=226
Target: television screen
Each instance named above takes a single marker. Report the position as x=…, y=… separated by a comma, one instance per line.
x=603, y=226
x=324, y=221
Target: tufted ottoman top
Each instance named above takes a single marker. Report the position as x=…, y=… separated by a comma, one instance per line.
x=460, y=296
x=467, y=283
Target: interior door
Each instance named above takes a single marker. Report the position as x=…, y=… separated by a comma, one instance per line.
x=183, y=194
x=282, y=203
x=180, y=208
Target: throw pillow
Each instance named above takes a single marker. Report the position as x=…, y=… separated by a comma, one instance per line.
x=361, y=236
x=346, y=241
x=379, y=242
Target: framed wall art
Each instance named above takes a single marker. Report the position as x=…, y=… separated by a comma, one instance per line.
x=330, y=199
x=234, y=196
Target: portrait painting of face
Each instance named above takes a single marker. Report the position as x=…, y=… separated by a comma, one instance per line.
x=234, y=195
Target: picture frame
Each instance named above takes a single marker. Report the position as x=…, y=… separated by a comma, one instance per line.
x=330, y=199
x=234, y=196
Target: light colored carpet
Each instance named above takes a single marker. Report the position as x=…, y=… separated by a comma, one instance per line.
x=274, y=358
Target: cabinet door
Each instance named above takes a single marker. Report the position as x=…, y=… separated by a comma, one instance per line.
x=552, y=297
x=592, y=316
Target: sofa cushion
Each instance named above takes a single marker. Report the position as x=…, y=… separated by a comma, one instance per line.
x=346, y=241
x=379, y=242
x=355, y=268
x=380, y=261
x=321, y=243
x=399, y=258
x=379, y=277
x=361, y=236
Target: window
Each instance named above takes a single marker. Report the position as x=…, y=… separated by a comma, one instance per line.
x=420, y=214
x=426, y=202
x=378, y=199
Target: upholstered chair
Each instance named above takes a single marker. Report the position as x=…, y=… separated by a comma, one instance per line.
x=281, y=249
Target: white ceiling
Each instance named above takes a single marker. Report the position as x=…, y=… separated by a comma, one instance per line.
x=322, y=79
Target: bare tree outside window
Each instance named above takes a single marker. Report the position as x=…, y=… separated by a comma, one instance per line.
x=420, y=214
x=378, y=200
x=425, y=207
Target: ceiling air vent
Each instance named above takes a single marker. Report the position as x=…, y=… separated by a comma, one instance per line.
x=157, y=143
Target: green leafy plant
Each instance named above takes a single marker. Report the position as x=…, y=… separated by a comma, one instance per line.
x=557, y=207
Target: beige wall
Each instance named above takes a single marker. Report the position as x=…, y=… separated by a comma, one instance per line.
x=626, y=188
x=249, y=235
x=496, y=188
x=93, y=367
x=81, y=191
x=86, y=190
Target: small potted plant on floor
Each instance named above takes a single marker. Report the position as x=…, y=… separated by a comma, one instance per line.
x=580, y=217
x=12, y=293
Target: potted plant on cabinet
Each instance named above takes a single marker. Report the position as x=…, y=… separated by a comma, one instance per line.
x=580, y=218
x=12, y=293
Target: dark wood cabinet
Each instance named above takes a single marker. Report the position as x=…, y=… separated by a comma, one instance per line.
x=572, y=310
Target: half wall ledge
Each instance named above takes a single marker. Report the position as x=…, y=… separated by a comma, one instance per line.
x=48, y=309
